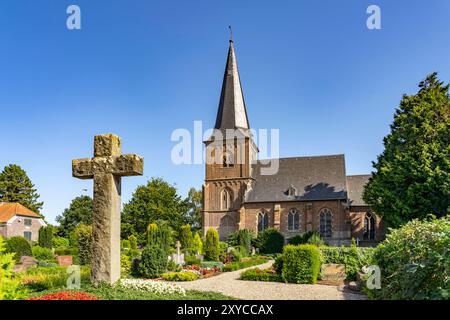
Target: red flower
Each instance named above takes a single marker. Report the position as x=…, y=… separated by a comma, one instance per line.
x=66, y=295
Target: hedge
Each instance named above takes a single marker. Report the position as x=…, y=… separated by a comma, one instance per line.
x=301, y=264
x=19, y=246
x=233, y=266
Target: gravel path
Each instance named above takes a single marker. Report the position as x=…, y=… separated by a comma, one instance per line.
x=228, y=284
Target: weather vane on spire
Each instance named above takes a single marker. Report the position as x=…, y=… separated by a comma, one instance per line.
x=231, y=33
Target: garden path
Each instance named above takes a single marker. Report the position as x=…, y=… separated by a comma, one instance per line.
x=229, y=284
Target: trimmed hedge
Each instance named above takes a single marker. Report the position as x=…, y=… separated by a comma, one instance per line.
x=354, y=258
x=180, y=276
x=261, y=275
x=301, y=264
x=19, y=246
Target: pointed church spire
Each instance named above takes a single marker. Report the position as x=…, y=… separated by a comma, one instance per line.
x=232, y=113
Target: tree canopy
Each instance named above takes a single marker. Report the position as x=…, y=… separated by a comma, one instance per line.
x=16, y=186
x=412, y=175
x=194, y=202
x=157, y=200
x=79, y=212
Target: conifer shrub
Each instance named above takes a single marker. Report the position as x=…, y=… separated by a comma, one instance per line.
x=185, y=238
x=153, y=261
x=19, y=246
x=270, y=241
x=83, y=235
x=46, y=237
x=211, y=247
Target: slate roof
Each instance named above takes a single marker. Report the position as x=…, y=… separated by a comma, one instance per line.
x=9, y=210
x=232, y=113
x=314, y=178
x=355, y=187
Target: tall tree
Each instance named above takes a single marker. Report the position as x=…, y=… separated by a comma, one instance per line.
x=16, y=186
x=194, y=203
x=79, y=212
x=412, y=175
x=157, y=200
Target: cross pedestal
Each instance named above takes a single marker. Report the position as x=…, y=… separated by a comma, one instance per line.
x=106, y=168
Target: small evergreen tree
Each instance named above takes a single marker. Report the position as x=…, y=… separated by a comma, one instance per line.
x=83, y=235
x=46, y=237
x=197, y=244
x=186, y=237
x=211, y=246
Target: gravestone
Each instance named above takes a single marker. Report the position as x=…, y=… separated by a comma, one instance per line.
x=178, y=257
x=106, y=168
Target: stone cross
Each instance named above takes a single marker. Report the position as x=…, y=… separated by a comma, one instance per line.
x=106, y=168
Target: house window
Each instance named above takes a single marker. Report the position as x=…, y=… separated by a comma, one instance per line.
x=27, y=235
x=325, y=223
x=293, y=220
x=369, y=227
x=225, y=199
x=263, y=221
x=27, y=222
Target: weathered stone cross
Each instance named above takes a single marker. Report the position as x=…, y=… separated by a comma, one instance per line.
x=106, y=168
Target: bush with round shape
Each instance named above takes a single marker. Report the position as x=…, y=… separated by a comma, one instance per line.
x=415, y=261
x=19, y=246
x=153, y=261
x=270, y=241
x=301, y=264
x=211, y=246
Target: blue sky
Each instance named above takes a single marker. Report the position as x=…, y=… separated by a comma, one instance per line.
x=141, y=69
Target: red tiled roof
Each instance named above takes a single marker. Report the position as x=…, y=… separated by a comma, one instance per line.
x=9, y=210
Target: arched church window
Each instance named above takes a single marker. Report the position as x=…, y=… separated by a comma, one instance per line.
x=369, y=227
x=263, y=221
x=293, y=220
x=325, y=228
x=225, y=199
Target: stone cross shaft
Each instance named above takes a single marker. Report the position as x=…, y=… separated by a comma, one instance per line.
x=106, y=168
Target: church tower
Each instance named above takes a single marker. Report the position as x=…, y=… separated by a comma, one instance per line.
x=230, y=152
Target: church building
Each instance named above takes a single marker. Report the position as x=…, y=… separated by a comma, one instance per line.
x=305, y=194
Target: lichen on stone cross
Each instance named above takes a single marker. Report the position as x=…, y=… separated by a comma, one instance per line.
x=106, y=168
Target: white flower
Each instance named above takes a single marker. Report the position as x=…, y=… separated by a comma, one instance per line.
x=157, y=287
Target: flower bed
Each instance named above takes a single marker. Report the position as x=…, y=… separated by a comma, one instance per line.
x=203, y=272
x=157, y=287
x=66, y=295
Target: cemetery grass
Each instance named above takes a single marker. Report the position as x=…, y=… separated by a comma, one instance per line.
x=105, y=292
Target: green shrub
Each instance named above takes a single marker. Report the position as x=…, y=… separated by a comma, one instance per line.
x=242, y=238
x=173, y=266
x=278, y=263
x=60, y=242
x=83, y=235
x=40, y=253
x=20, y=246
x=125, y=245
x=185, y=238
x=270, y=241
x=180, y=276
x=125, y=265
x=301, y=264
x=153, y=261
x=233, y=266
x=47, y=264
x=160, y=235
x=415, y=261
x=66, y=252
x=261, y=275
x=352, y=257
x=9, y=282
x=197, y=244
x=45, y=237
x=212, y=245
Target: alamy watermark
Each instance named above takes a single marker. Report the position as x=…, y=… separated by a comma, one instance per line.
x=227, y=147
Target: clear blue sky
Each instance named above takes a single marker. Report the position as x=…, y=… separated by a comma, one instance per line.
x=141, y=69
